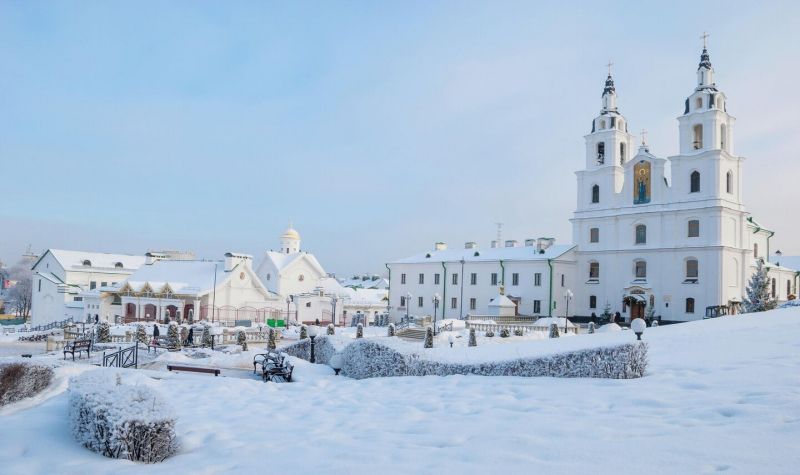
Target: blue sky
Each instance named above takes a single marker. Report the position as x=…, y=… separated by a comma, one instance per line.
x=379, y=128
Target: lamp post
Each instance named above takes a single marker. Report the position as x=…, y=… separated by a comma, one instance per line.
x=312, y=333
x=435, y=300
x=638, y=325
x=288, y=300
x=337, y=362
x=214, y=298
x=567, y=296
x=334, y=299
x=408, y=304
x=451, y=339
x=461, y=299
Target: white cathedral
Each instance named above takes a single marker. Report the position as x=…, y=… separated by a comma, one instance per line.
x=680, y=240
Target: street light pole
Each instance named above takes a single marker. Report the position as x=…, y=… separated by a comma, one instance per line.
x=461, y=299
x=334, y=299
x=435, y=306
x=408, y=304
x=214, y=301
x=567, y=296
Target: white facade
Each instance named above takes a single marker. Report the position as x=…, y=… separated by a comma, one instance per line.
x=683, y=240
x=60, y=276
x=534, y=276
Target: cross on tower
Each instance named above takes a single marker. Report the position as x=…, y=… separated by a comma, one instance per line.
x=609, y=67
x=705, y=35
x=644, y=132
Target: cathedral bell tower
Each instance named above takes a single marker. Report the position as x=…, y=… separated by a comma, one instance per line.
x=290, y=241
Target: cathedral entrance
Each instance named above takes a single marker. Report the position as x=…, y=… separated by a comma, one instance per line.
x=637, y=304
x=637, y=310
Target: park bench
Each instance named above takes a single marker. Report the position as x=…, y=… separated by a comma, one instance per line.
x=193, y=369
x=279, y=373
x=79, y=346
x=161, y=342
x=267, y=359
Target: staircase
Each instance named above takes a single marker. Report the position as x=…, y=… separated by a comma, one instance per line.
x=412, y=333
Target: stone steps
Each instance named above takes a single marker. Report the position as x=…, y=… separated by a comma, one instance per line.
x=414, y=333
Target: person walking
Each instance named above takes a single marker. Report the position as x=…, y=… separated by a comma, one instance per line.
x=190, y=338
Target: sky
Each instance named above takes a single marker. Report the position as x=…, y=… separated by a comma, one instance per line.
x=377, y=128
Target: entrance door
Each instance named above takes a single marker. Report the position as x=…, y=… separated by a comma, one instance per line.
x=637, y=310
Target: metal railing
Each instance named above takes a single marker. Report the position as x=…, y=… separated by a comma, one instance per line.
x=49, y=326
x=123, y=358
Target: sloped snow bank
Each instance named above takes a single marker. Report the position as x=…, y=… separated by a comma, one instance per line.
x=121, y=421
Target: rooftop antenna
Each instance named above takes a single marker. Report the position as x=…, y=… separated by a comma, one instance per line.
x=499, y=232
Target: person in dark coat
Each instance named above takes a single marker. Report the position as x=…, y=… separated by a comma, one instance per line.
x=96, y=319
x=618, y=316
x=155, y=330
x=594, y=317
x=190, y=338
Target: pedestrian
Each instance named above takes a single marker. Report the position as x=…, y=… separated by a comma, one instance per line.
x=96, y=319
x=155, y=331
x=617, y=316
x=190, y=338
x=316, y=322
x=594, y=317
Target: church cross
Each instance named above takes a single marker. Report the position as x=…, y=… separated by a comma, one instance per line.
x=705, y=35
x=644, y=132
x=609, y=67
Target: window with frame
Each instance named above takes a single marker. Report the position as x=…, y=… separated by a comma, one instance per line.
x=755, y=251
x=594, y=270
x=308, y=304
x=537, y=279
x=402, y=278
x=641, y=269
x=691, y=269
x=473, y=303
x=594, y=235
x=92, y=285
x=729, y=182
x=694, y=228
x=515, y=279
x=435, y=279
x=774, y=287
x=422, y=278
x=455, y=279
x=694, y=182
x=453, y=302
x=562, y=280
x=537, y=306
x=641, y=234
x=402, y=301
x=690, y=305
x=494, y=278
x=420, y=302
x=596, y=194
x=473, y=279
x=103, y=284
x=592, y=301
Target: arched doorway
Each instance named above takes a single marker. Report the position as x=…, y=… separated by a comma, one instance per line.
x=637, y=305
x=173, y=312
x=149, y=313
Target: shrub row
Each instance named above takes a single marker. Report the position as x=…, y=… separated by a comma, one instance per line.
x=22, y=380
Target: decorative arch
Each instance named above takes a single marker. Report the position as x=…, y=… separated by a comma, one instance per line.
x=729, y=182
x=697, y=136
x=641, y=182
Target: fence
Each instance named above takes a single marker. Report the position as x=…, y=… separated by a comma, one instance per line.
x=49, y=326
x=123, y=358
x=505, y=319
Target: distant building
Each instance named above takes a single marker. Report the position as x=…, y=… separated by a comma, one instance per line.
x=366, y=281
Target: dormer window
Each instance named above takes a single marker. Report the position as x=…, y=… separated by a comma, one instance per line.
x=118, y=265
x=87, y=263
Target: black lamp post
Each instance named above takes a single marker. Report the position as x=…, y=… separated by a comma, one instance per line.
x=312, y=333
x=408, y=304
x=334, y=299
x=435, y=300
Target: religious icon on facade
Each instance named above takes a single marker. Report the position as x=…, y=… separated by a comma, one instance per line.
x=641, y=188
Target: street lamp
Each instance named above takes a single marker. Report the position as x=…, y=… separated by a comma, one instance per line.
x=567, y=296
x=461, y=299
x=288, y=300
x=312, y=333
x=334, y=299
x=451, y=339
x=408, y=304
x=638, y=325
x=337, y=363
x=435, y=299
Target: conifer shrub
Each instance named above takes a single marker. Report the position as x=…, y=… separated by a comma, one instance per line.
x=489, y=334
x=391, y=331
x=504, y=333
x=654, y=324
x=103, y=332
x=429, y=337
x=331, y=329
x=303, y=332
x=554, y=331
x=360, y=331
x=166, y=319
x=141, y=334
x=241, y=339
x=271, y=343
x=518, y=332
x=208, y=338
x=173, y=335
x=473, y=339
x=190, y=318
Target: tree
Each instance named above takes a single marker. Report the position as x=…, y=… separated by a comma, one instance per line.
x=473, y=339
x=191, y=317
x=141, y=334
x=758, y=290
x=331, y=329
x=303, y=332
x=103, y=332
x=391, y=331
x=241, y=339
x=208, y=338
x=271, y=344
x=174, y=336
x=554, y=331
x=360, y=331
x=650, y=313
x=20, y=295
x=429, y=337
x=607, y=312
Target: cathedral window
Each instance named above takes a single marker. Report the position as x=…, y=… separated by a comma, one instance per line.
x=601, y=153
x=690, y=305
x=729, y=182
x=641, y=269
x=641, y=234
x=694, y=182
x=596, y=194
x=694, y=228
x=722, y=136
x=755, y=251
x=698, y=103
x=602, y=124
x=594, y=235
x=691, y=269
x=594, y=270
x=697, y=143
x=774, y=287
x=592, y=301
x=622, y=154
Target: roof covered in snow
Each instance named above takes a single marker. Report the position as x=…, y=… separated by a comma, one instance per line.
x=379, y=283
x=519, y=253
x=74, y=260
x=792, y=262
x=501, y=301
x=183, y=277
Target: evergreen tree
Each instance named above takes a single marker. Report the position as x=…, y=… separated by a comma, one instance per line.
x=190, y=320
x=208, y=338
x=303, y=332
x=271, y=344
x=173, y=335
x=103, y=332
x=591, y=327
x=758, y=297
x=607, y=312
x=184, y=335
x=518, y=332
x=489, y=334
x=391, y=331
x=429, y=337
x=166, y=319
x=504, y=333
x=650, y=313
x=141, y=334
x=554, y=331
x=331, y=329
x=241, y=339
x=473, y=339
x=360, y=331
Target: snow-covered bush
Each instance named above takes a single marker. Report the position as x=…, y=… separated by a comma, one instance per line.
x=121, y=421
x=655, y=323
x=21, y=380
x=208, y=338
x=473, y=339
x=190, y=318
x=141, y=334
x=391, y=331
x=271, y=343
x=103, y=333
x=591, y=327
x=489, y=334
x=429, y=337
x=173, y=335
x=300, y=349
x=758, y=290
x=554, y=331
x=303, y=332
x=241, y=339
x=365, y=358
x=331, y=329
x=360, y=331
x=184, y=336
x=167, y=319
x=505, y=333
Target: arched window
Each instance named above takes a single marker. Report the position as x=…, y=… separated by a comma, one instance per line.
x=594, y=270
x=601, y=153
x=729, y=182
x=755, y=251
x=690, y=305
x=694, y=228
x=594, y=235
x=592, y=301
x=87, y=263
x=694, y=182
x=596, y=194
x=691, y=269
x=602, y=124
x=641, y=234
x=641, y=269
x=698, y=103
x=118, y=265
x=698, y=137
x=622, y=154
x=774, y=287
x=723, y=132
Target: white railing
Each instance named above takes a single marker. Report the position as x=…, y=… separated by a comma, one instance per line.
x=505, y=319
x=497, y=327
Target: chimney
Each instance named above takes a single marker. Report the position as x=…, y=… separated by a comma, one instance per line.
x=469, y=245
x=233, y=259
x=495, y=244
x=530, y=242
x=544, y=243
x=511, y=243
x=440, y=246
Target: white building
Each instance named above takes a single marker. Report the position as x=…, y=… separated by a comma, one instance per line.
x=534, y=276
x=60, y=276
x=681, y=239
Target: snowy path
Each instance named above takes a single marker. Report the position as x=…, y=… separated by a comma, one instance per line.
x=719, y=395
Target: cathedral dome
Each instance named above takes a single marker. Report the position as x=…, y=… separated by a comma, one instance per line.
x=290, y=233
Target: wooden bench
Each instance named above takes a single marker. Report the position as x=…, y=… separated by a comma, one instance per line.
x=161, y=342
x=279, y=373
x=266, y=360
x=79, y=346
x=193, y=369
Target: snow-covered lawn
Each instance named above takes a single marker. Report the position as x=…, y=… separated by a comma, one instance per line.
x=719, y=395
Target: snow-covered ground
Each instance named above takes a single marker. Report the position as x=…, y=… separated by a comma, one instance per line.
x=719, y=395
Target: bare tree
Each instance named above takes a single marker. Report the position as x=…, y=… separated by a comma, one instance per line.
x=21, y=294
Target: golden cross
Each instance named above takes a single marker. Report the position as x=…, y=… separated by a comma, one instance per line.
x=644, y=132
x=705, y=35
x=609, y=67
